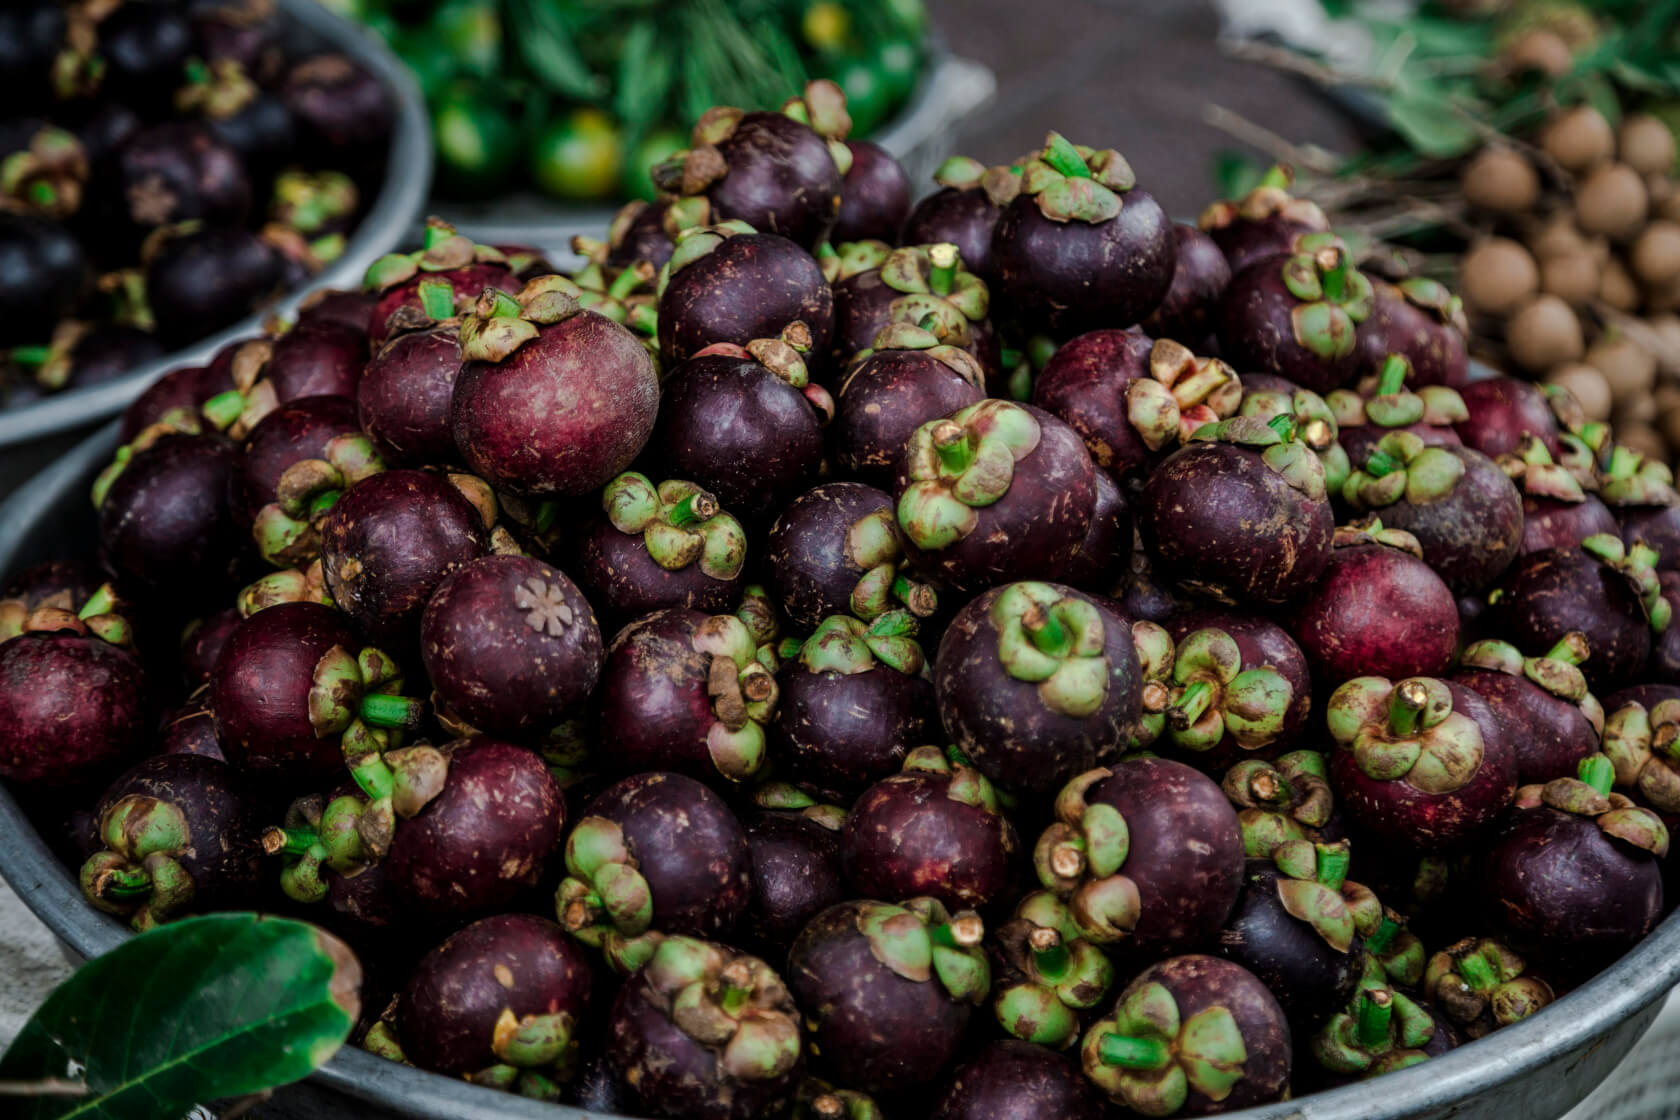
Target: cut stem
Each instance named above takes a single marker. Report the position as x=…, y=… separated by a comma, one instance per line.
x=1384, y=936
x=1046, y=631
x=951, y=442
x=1478, y=973
x=921, y=599
x=1128, y=1052
x=943, y=271
x=624, y=283
x=1571, y=648
x=1598, y=772
x=1381, y=464
x=1053, y=963
x=1333, y=861
x=733, y=999
x=125, y=883
x=697, y=507
x=31, y=357
x=1335, y=277
x=1192, y=704
x=437, y=299
x=1393, y=376
x=1376, y=1008
x=1405, y=708
x=323, y=503
x=1060, y=154
x=289, y=841
x=381, y=709
x=1283, y=424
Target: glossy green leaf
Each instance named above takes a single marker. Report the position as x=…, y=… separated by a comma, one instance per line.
x=224, y=1005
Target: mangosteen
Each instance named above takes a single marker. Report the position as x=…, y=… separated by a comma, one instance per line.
x=142, y=48
x=41, y=272
x=1575, y=872
x=888, y=990
x=1240, y=512
x=1381, y=1030
x=1554, y=722
x=705, y=1032
x=995, y=492
x=191, y=729
x=1207, y=701
x=1010, y=1078
x=336, y=305
x=246, y=32
x=876, y=285
x=960, y=212
x=46, y=169
x=908, y=378
x=1280, y=801
x=1079, y=246
x=1296, y=314
x=1192, y=1035
x=1104, y=558
x=389, y=541
x=1502, y=410
x=1607, y=592
x=1640, y=740
x=1268, y=220
x=31, y=37
x=1422, y=761
x=66, y=584
x=83, y=354
x=777, y=171
x=1147, y=854
x=684, y=692
x=1557, y=510
x=1190, y=309
x=317, y=359
x=1479, y=985
x=624, y=295
x=643, y=231
x=745, y=422
x=178, y=834
x=1421, y=321
x=292, y=467
x=836, y=549
x=795, y=864
x=729, y=283
x=166, y=523
x=654, y=854
x=1463, y=510
x=935, y=829
x=1385, y=403
x=177, y=172
x=499, y=1003
x=1267, y=396
x=1641, y=492
x=510, y=645
x=404, y=393
x=445, y=256
x=874, y=195
x=1377, y=610
x=852, y=702
x=174, y=400
x=201, y=280
x=202, y=642
x=1046, y=975
x=551, y=399
x=338, y=105
x=72, y=706
x=1130, y=398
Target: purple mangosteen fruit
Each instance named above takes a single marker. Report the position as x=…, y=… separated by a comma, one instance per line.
x=1103, y=561
x=1191, y=1036
x=1558, y=512
x=1554, y=722
x=403, y=397
x=705, y=1032
x=1421, y=761
x=339, y=106
x=1047, y=977
x=1079, y=246
x=1011, y=1080
x=296, y=463
x=72, y=706
x=199, y=280
x=729, y=283
x=1422, y=321
x=1038, y=682
x=350, y=308
x=445, y=256
x=317, y=360
x=874, y=195
x=1266, y=221
x=1239, y=513
x=1503, y=410
x=876, y=285
x=888, y=990
x=1363, y=418
x=908, y=378
x=960, y=211
x=645, y=231
x=166, y=524
x=837, y=549
x=176, y=172
x=191, y=729
x=1295, y=315
x=795, y=867
x=1190, y=310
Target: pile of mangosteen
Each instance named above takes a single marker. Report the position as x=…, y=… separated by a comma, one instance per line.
x=1006, y=656
x=166, y=166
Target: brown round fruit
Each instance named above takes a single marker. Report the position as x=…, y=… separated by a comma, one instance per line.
x=1540, y=50
x=1572, y=277
x=1655, y=255
x=1644, y=439
x=1586, y=385
x=1498, y=276
x=1646, y=145
x=1612, y=201
x=1667, y=327
x=1641, y=409
x=1617, y=287
x=1556, y=235
x=1502, y=181
x=1579, y=139
x=1628, y=368
x=1668, y=208
x=1543, y=334
x=1668, y=413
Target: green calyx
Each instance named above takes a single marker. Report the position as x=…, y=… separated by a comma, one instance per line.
x=680, y=524
x=345, y=835
x=535, y=1053
x=1056, y=641
x=1630, y=479
x=922, y=941
x=1393, y=405
x=961, y=464
x=623, y=295
x=1277, y=441
x=1269, y=198
x=694, y=243
x=286, y=530
x=1369, y=531
x=743, y=693
x=173, y=422
x=309, y=202
x=1070, y=182
x=1079, y=857
x=1312, y=886
x=1048, y=974
x=1437, y=299
x=852, y=258
x=965, y=784
x=1148, y=1058
x=442, y=250
x=293, y=585
x=842, y=644
x=1280, y=801
x=1406, y=731
x=1403, y=466
x=359, y=699
x=961, y=173
x=934, y=282
x=1589, y=795
x=731, y=1003
x=499, y=323
x=604, y=902
x=47, y=177
x=1333, y=299
x=1531, y=467
x=1181, y=394
x=1638, y=566
x=1197, y=692
x=1315, y=424
x=138, y=874
x=873, y=548
x=1557, y=671
x=1481, y=985
x=1381, y=1029
x=1643, y=746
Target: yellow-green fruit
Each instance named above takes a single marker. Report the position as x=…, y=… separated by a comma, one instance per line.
x=1502, y=181
x=1587, y=386
x=1612, y=201
x=1628, y=368
x=1646, y=145
x=1579, y=138
x=1655, y=255
x=1498, y=276
x=1540, y=50
x=1544, y=332
x=1617, y=287
x=1572, y=277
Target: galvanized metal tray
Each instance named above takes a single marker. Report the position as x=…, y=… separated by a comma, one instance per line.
x=1536, y=1069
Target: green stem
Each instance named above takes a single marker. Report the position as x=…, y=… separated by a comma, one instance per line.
x=436, y=235
x=921, y=599
x=31, y=357
x=733, y=999
x=1478, y=973
x=1335, y=279
x=1192, y=703
x=1598, y=772
x=1283, y=424
x=125, y=884
x=952, y=444
x=102, y=601
x=547, y=514
x=789, y=649
x=1381, y=464
x=503, y=306
x=1393, y=376
x=1053, y=963
x=323, y=502
x=1128, y=1052
x=1277, y=176
x=1376, y=1008
x=1384, y=935
x=623, y=284
x=1046, y=631
x=381, y=709
x=943, y=273
x=437, y=299
x=1060, y=154
x=1623, y=462
x=223, y=409
x=1007, y=357
x=1333, y=861
x=1405, y=708
x=289, y=841
x=692, y=510
x=1571, y=649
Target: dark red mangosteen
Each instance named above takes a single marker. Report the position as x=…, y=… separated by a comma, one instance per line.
x=82, y=354
x=730, y=283
x=1296, y=314
x=960, y=211
x=199, y=280
x=510, y=645
x=551, y=399
x=889, y=989
x=1553, y=721
x=1387, y=404
x=1104, y=559
x=1189, y=311
x=1014, y=1078
x=1422, y=321
x=292, y=467
x=1422, y=761
x=72, y=705
x=191, y=729
x=909, y=378
x=177, y=172
x=1146, y=853
x=1047, y=977
x=1079, y=246
x=796, y=865
x=336, y=305
x=1502, y=411
x=178, y=835
x=876, y=285
x=447, y=256
x=338, y=105
x=836, y=549
x=644, y=231
x=874, y=195
x=1240, y=512
x=1557, y=510
x=1267, y=396
x=202, y=642
x=705, y=1032
x=1191, y=1036
x=1268, y=220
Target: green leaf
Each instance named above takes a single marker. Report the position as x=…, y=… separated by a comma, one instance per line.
x=545, y=43
x=224, y=1005
x=1432, y=124
x=1236, y=173
x=645, y=74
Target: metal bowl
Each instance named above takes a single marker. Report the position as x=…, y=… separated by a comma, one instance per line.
x=401, y=199
x=1537, y=1068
